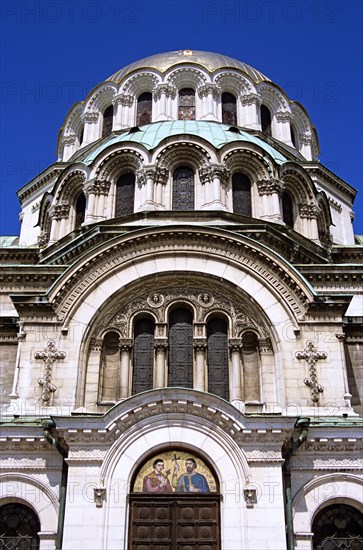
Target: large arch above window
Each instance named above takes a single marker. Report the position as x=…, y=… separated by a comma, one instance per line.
x=143, y=360
x=107, y=121
x=229, y=109
x=217, y=350
x=183, y=188
x=241, y=194
x=186, y=109
x=180, y=368
x=338, y=526
x=144, y=109
x=19, y=527
x=125, y=194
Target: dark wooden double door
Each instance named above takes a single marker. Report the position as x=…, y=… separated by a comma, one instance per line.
x=174, y=522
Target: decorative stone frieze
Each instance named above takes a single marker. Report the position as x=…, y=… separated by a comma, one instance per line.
x=309, y=211
x=283, y=116
x=123, y=99
x=70, y=139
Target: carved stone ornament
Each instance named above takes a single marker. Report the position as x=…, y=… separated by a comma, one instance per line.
x=311, y=355
x=250, y=496
x=90, y=117
x=99, y=496
x=250, y=99
x=123, y=99
x=155, y=299
x=49, y=356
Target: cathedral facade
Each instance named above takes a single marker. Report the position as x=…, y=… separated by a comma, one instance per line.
x=181, y=349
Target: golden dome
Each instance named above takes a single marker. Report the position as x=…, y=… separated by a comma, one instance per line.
x=209, y=60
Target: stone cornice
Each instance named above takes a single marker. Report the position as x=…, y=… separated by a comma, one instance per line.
x=39, y=181
x=34, y=278
x=249, y=255
x=317, y=171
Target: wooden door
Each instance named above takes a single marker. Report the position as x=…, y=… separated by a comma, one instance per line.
x=174, y=522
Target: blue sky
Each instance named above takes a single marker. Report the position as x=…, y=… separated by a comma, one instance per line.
x=53, y=52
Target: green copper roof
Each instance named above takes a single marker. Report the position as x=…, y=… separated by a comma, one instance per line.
x=151, y=135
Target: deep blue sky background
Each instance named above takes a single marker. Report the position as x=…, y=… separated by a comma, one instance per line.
x=53, y=52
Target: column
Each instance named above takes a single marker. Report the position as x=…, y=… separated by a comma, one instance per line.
x=219, y=177
x=91, y=129
x=20, y=337
x=89, y=190
x=69, y=146
x=248, y=111
x=208, y=95
x=125, y=347
x=306, y=146
x=159, y=97
x=282, y=127
x=200, y=373
x=160, y=347
x=123, y=115
x=148, y=178
x=161, y=180
x=236, y=389
x=270, y=191
x=58, y=214
x=102, y=192
x=308, y=215
x=267, y=381
x=205, y=178
x=93, y=382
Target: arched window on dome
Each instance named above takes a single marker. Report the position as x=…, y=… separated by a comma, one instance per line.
x=144, y=109
x=143, y=361
x=80, y=210
x=287, y=209
x=266, y=120
x=293, y=135
x=251, y=367
x=186, y=110
x=217, y=352
x=241, y=194
x=180, y=345
x=19, y=527
x=109, y=368
x=338, y=526
x=125, y=194
x=229, y=109
x=183, y=188
x=107, y=121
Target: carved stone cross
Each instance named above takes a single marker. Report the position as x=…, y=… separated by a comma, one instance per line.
x=311, y=355
x=49, y=356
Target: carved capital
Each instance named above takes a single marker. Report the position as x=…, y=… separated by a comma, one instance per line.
x=265, y=345
x=305, y=139
x=123, y=99
x=96, y=344
x=160, y=345
x=268, y=187
x=166, y=89
x=69, y=140
x=96, y=187
x=221, y=172
x=206, y=89
x=308, y=211
x=235, y=345
x=90, y=117
x=250, y=99
x=200, y=346
x=283, y=116
x=59, y=211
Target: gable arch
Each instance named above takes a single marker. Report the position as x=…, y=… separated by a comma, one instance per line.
x=100, y=97
x=70, y=183
x=298, y=183
x=170, y=156
x=141, y=82
x=187, y=77
x=233, y=82
x=115, y=161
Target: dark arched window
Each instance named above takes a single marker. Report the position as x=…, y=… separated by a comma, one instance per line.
x=107, y=121
x=142, y=374
x=293, y=135
x=266, y=120
x=183, y=188
x=80, y=208
x=80, y=138
x=287, y=209
x=19, y=527
x=186, y=104
x=251, y=375
x=241, y=194
x=217, y=339
x=144, y=109
x=229, y=109
x=180, y=368
x=110, y=368
x=125, y=193
x=338, y=526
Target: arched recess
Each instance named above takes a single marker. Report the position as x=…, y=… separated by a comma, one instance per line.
x=323, y=491
x=186, y=104
x=19, y=527
x=144, y=109
x=107, y=121
x=338, y=526
x=125, y=194
x=241, y=194
x=166, y=432
x=31, y=492
x=180, y=346
x=229, y=109
x=217, y=357
x=183, y=188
